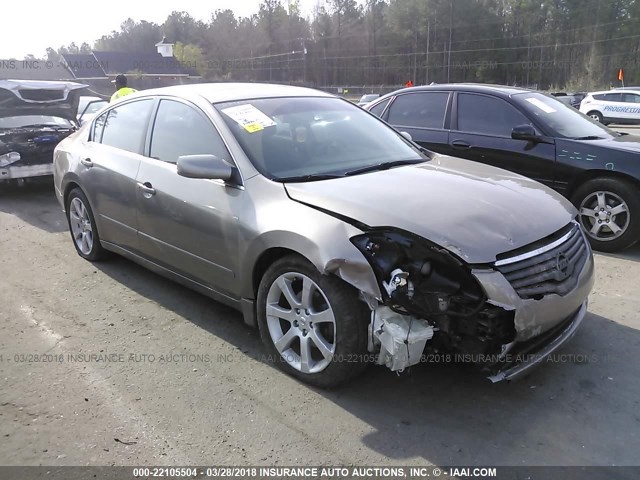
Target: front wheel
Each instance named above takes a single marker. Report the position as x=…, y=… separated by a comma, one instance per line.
x=609, y=212
x=313, y=325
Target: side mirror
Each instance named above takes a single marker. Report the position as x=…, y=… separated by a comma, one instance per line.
x=525, y=132
x=204, y=166
x=407, y=135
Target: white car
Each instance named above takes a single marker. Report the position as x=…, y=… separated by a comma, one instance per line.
x=367, y=98
x=613, y=106
x=88, y=106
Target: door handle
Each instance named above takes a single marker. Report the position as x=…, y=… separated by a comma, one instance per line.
x=147, y=188
x=460, y=145
x=86, y=162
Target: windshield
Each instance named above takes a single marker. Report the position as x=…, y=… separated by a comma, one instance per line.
x=563, y=120
x=29, y=120
x=298, y=137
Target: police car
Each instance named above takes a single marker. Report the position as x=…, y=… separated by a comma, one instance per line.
x=613, y=106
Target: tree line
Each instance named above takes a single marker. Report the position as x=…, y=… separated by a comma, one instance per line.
x=548, y=44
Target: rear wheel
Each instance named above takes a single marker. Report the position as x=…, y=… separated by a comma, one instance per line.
x=609, y=212
x=596, y=116
x=313, y=325
x=82, y=226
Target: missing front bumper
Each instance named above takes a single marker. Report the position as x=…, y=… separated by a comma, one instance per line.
x=26, y=171
x=526, y=356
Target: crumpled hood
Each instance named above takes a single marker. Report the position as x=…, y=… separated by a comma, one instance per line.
x=474, y=210
x=31, y=97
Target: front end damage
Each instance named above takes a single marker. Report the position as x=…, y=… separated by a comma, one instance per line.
x=505, y=317
x=28, y=151
x=34, y=117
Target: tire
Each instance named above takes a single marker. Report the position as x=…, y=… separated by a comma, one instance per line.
x=604, y=203
x=82, y=226
x=596, y=116
x=342, y=332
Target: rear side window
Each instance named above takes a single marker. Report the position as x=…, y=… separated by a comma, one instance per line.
x=125, y=126
x=422, y=110
x=488, y=115
x=379, y=108
x=631, y=98
x=181, y=130
x=613, y=97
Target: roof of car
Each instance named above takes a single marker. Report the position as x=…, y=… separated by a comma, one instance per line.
x=226, y=92
x=617, y=90
x=470, y=87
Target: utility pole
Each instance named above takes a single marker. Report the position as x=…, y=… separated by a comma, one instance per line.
x=450, y=30
x=304, y=60
x=426, y=76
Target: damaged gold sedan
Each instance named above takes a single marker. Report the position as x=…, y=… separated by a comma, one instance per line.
x=341, y=240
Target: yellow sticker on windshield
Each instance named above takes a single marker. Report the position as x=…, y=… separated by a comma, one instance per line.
x=253, y=127
x=249, y=117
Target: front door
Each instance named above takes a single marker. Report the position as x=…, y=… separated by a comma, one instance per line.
x=481, y=131
x=187, y=225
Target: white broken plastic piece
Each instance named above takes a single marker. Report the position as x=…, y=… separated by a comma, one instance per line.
x=402, y=338
x=398, y=279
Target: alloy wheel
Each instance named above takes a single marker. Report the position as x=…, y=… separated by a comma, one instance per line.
x=81, y=226
x=604, y=215
x=301, y=322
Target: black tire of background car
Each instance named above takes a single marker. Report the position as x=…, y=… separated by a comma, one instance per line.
x=351, y=317
x=97, y=253
x=629, y=194
x=593, y=113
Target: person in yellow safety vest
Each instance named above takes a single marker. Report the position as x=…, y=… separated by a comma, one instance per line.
x=121, y=88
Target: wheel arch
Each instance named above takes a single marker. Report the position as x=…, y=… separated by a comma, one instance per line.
x=265, y=260
x=69, y=183
x=594, y=174
x=338, y=257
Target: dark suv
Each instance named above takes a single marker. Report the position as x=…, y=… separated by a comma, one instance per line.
x=537, y=136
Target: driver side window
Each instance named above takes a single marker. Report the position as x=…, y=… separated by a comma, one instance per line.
x=180, y=129
x=488, y=115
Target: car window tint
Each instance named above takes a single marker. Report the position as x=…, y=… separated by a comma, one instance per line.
x=424, y=110
x=613, y=97
x=487, y=115
x=181, y=130
x=379, y=108
x=599, y=96
x=126, y=126
x=631, y=98
x=98, y=126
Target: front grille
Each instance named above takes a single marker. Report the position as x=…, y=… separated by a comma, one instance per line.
x=553, y=268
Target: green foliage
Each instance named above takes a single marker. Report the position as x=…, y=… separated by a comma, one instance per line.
x=579, y=44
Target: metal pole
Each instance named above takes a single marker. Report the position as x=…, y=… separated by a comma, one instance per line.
x=450, y=29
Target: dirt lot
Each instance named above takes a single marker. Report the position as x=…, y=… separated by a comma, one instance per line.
x=186, y=384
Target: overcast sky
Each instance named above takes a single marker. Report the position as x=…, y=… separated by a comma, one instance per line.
x=33, y=26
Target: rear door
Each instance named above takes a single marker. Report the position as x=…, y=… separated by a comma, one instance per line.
x=481, y=131
x=110, y=166
x=613, y=107
x=187, y=225
x=422, y=115
x=632, y=107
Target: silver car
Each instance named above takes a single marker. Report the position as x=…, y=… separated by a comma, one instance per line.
x=341, y=240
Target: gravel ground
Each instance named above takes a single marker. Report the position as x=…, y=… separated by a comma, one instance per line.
x=109, y=364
